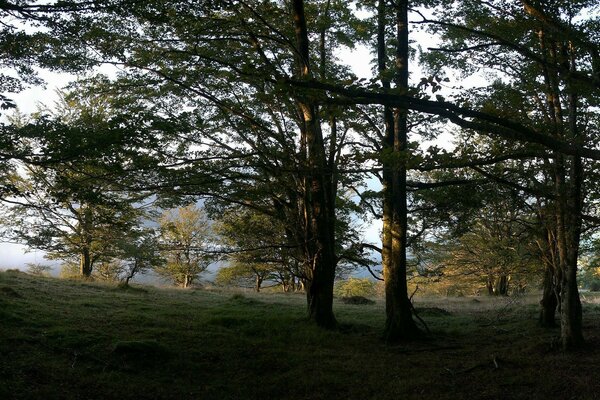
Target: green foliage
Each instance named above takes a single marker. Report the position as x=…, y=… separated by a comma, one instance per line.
x=74, y=202
x=355, y=287
x=69, y=270
x=235, y=275
x=589, y=276
x=186, y=238
x=109, y=271
x=38, y=269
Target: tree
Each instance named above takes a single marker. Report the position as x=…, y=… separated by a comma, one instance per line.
x=212, y=60
x=256, y=246
x=38, y=269
x=186, y=239
x=139, y=253
x=73, y=199
x=542, y=56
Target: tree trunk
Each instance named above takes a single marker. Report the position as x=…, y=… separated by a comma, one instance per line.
x=501, y=286
x=85, y=263
x=86, y=225
x=258, y=283
x=399, y=320
x=549, y=300
x=318, y=206
x=568, y=193
x=489, y=284
x=571, y=312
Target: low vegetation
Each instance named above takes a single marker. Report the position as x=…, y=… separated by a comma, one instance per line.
x=73, y=340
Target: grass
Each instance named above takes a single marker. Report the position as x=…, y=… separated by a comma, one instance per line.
x=74, y=340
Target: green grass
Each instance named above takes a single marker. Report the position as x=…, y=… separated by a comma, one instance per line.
x=75, y=340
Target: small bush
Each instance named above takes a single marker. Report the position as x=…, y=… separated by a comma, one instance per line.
x=357, y=300
x=69, y=270
x=38, y=269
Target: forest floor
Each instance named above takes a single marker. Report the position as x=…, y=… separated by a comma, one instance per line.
x=64, y=339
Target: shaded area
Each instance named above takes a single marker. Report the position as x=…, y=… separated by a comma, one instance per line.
x=65, y=339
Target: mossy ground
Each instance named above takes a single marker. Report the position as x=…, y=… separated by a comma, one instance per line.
x=74, y=340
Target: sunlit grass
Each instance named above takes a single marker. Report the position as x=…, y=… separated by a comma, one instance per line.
x=79, y=340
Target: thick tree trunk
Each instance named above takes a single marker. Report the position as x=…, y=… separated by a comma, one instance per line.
x=85, y=263
x=568, y=192
x=86, y=225
x=501, y=285
x=568, y=231
x=549, y=300
x=552, y=276
x=571, y=312
x=399, y=320
x=186, y=281
x=318, y=205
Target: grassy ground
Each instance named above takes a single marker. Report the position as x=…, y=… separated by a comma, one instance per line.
x=72, y=340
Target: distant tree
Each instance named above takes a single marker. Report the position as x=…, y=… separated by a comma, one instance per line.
x=70, y=270
x=74, y=199
x=258, y=248
x=70, y=214
x=109, y=270
x=38, y=269
x=244, y=275
x=185, y=238
x=139, y=253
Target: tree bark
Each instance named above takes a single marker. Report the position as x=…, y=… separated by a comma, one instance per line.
x=85, y=263
x=501, y=285
x=568, y=192
x=552, y=277
x=318, y=205
x=399, y=320
x=571, y=311
x=549, y=300
x=258, y=283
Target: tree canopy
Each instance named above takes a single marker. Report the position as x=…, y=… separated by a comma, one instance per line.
x=249, y=107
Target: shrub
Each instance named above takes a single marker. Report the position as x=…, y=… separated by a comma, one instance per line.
x=357, y=300
x=355, y=287
x=38, y=269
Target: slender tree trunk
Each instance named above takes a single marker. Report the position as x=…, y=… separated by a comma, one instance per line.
x=258, y=283
x=489, y=285
x=571, y=316
x=318, y=207
x=552, y=279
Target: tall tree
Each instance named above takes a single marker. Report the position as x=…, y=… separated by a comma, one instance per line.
x=399, y=322
x=542, y=55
